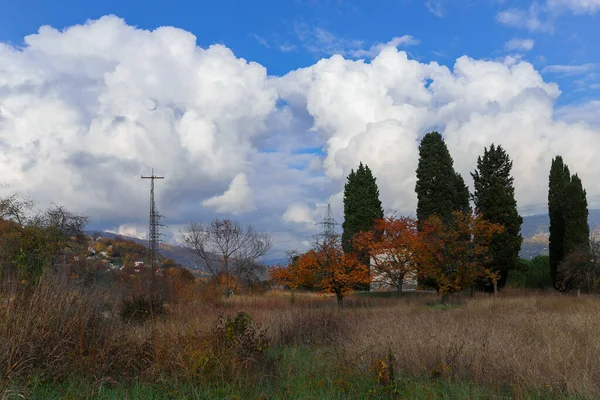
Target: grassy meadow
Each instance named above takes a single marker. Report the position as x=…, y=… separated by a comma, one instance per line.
x=64, y=342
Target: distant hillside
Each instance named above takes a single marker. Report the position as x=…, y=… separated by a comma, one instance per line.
x=178, y=253
x=535, y=233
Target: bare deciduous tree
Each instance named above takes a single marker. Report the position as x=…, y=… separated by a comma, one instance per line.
x=227, y=248
x=16, y=208
x=581, y=268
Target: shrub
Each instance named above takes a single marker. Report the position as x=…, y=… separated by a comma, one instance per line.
x=142, y=307
x=534, y=274
x=235, y=348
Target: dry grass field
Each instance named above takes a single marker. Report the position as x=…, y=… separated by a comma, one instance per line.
x=515, y=345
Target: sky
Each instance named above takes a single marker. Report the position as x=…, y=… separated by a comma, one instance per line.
x=258, y=110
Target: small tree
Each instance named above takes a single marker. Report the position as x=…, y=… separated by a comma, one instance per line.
x=581, y=268
x=228, y=249
x=335, y=272
x=455, y=255
x=394, y=245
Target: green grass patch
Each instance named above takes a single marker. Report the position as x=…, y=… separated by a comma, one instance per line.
x=301, y=373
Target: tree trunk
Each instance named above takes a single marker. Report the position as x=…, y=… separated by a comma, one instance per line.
x=226, y=265
x=472, y=290
x=399, y=287
x=445, y=298
x=340, y=300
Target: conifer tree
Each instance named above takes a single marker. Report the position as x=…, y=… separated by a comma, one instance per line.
x=440, y=190
x=494, y=199
x=559, y=183
x=362, y=206
x=577, y=229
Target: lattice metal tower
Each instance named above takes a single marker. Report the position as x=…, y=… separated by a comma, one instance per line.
x=329, y=224
x=155, y=225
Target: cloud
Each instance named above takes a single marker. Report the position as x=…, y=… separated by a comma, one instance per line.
x=533, y=19
x=130, y=231
x=519, y=45
x=322, y=42
x=376, y=48
x=300, y=213
x=587, y=113
x=540, y=16
x=575, y=6
x=568, y=70
x=377, y=112
x=237, y=199
x=286, y=48
x=85, y=111
x=261, y=40
x=435, y=7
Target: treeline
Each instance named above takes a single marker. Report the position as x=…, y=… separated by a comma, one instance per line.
x=459, y=240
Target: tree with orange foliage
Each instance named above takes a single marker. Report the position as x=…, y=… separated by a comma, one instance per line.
x=394, y=244
x=455, y=254
x=336, y=272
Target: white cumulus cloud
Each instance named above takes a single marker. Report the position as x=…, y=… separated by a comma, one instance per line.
x=237, y=198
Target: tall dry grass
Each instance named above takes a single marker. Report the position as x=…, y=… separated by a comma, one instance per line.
x=531, y=340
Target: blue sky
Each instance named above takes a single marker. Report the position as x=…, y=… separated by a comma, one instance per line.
x=258, y=110
x=280, y=34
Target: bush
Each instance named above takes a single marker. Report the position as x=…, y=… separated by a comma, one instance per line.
x=534, y=274
x=234, y=349
x=142, y=307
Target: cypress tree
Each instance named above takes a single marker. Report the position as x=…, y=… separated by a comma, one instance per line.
x=577, y=229
x=361, y=204
x=559, y=182
x=440, y=190
x=361, y=208
x=494, y=198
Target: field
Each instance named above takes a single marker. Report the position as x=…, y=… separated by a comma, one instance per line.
x=63, y=343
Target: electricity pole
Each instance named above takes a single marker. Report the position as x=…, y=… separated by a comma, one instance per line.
x=154, y=232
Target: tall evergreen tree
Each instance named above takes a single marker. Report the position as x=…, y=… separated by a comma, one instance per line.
x=559, y=182
x=440, y=190
x=577, y=229
x=461, y=195
x=361, y=208
x=361, y=204
x=494, y=198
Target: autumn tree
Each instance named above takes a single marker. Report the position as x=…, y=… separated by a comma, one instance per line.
x=455, y=255
x=336, y=272
x=394, y=244
x=229, y=249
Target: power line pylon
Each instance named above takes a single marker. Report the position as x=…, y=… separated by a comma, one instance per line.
x=328, y=234
x=155, y=225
